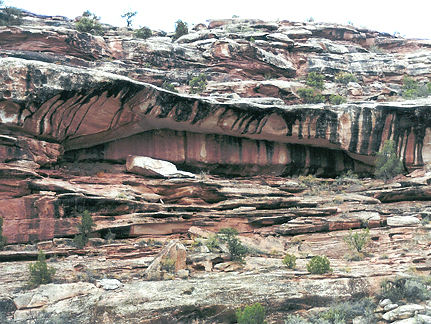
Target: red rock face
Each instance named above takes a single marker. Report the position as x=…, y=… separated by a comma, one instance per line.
x=100, y=109
x=33, y=218
x=24, y=148
x=222, y=154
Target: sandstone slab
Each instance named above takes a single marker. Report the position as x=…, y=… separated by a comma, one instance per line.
x=147, y=166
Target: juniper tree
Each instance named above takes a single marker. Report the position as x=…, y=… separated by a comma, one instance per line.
x=40, y=273
x=388, y=165
x=3, y=239
x=84, y=230
x=129, y=17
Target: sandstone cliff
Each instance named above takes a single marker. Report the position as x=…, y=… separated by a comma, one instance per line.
x=82, y=92
x=74, y=107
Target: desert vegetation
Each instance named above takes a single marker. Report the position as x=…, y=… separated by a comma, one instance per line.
x=143, y=32
x=10, y=16
x=89, y=23
x=84, y=230
x=413, y=89
x=254, y=314
x=316, y=83
x=3, y=239
x=388, y=164
x=181, y=29
x=129, y=16
x=229, y=236
x=198, y=84
x=40, y=272
x=319, y=265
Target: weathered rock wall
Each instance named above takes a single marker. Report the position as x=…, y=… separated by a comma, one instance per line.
x=222, y=154
x=81, y=108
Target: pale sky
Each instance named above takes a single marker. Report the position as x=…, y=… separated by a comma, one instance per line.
x=409, y=18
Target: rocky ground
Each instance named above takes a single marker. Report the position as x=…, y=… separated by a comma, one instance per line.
x=305, y=216
x=74, y=106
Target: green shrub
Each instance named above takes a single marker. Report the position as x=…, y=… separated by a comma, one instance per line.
x=167, y=264
x=412, y=89
x=345, y=78
x=315, y=80
x=212, y=243
x=169, y=86
x=310, y=96
x=289, y=261
x=89, y=23
x=409, y=289
x=376, y=49
x=84, y=230
x=3, y=239
x=143, y=33
x=319, y=265
x=109, y=236
x=254, y=314
x=198, y=84
x=237, y=251
x=337, y=99
x=40, y=273
x=295, y=319
x=10, y=16
x=387, y=163
x=181, y=29
x=129, y=17
x=356, y=241
x=345, y=312
x=340, y=313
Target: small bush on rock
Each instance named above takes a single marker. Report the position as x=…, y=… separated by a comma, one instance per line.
x=143, y=33
x=315, y=80
x=376, y=49
x=356, y=241
x=168, y=265
x=169, y=86
x=3, y=239
x=412, y=89
x=388, y=165
x=254, y=314
x=296, y=319
x=345, y=312
x=310, y=96
x=84, y=230
x=212, y=243
x=319, y=265
x=345, y=78
x=89, y=23
x=181, y=29
x=410, y=289
x=337, y=99
x=198, y=84
x=40, y=273
x=289, y=261
x=340, y=313
x=237, y=251
x=10, y=16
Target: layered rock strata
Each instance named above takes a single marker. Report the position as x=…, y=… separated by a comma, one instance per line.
x=116, y=117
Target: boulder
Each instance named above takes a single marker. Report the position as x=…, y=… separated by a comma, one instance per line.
x=150, y=167
x=396, y=221
x=109, y=284
x=403, y=312
x=52, y=293
x=280, y=37
x=175, y=251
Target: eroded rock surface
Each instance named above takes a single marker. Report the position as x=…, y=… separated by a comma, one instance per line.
x=68, y=97
x=79, y=91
